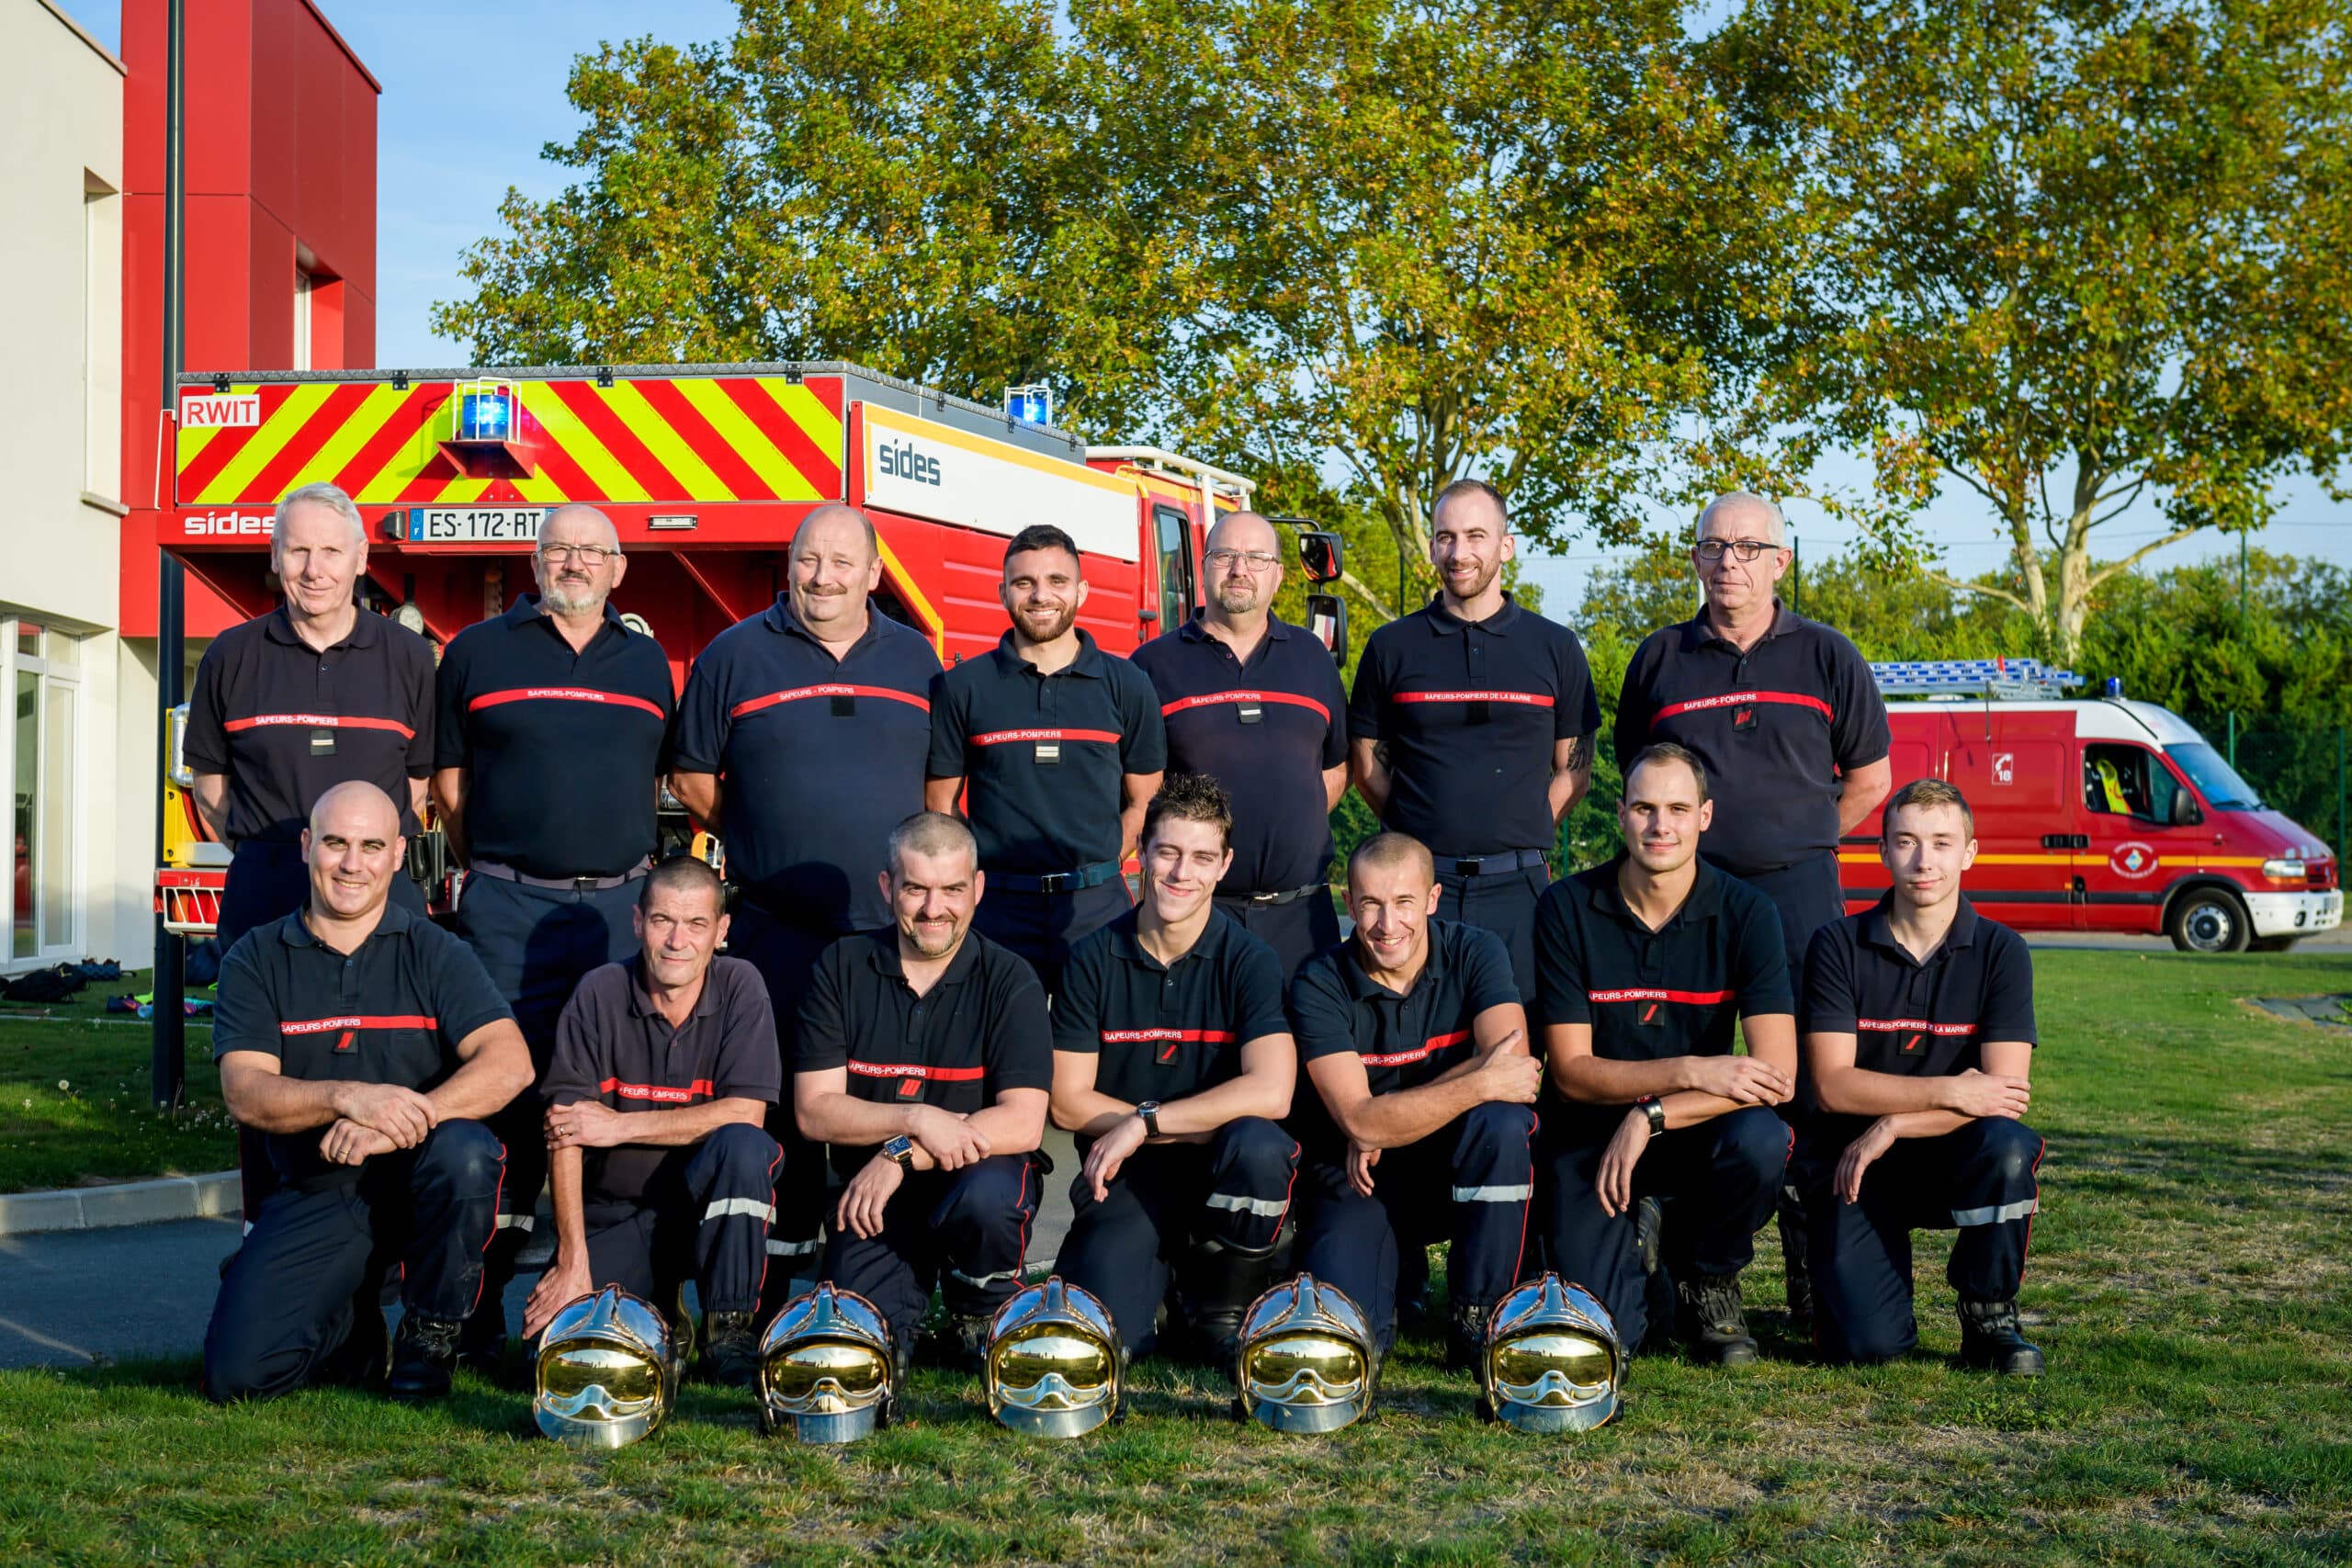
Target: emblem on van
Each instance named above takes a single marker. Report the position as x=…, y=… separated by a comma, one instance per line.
x=2132, y=859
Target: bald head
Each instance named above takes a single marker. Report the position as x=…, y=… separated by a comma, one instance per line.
x=1742, y=515
x=352, y=850
x=1244, y=566
x=579, y=562
x=357, y=805
x=577, y=522
x=836, y=566
x=832, y=518
x=1385, y=852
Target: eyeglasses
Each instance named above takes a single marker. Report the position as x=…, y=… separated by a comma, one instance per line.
x=590, y=556
x=1711, y=551
x=1256, y=560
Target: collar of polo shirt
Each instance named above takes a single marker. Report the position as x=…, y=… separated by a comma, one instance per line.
x=640, y=999
x=1126, y=941
x=367, y=628
x=1698, y=633
x=1445, y=623
x=1879, y=935
x=295, y=931
x=1705, y=901
x=883, y=956
x=1362, y=985
x=1088, y=662
x=527, y=610
x=1196, y=628
x=779, y=617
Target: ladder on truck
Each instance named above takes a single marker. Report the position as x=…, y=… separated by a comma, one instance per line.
x=2018, y=679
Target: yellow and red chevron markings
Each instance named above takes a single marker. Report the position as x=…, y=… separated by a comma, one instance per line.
x=644, y=439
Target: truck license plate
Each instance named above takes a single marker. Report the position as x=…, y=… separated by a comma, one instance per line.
x=474, y=525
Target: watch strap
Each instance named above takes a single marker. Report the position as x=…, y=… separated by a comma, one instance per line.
x=1655, y=1108
x=1149, y=1111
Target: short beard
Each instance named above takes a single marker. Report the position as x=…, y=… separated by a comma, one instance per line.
x=1246, y=592
x=556, y=599
x=1069, y=619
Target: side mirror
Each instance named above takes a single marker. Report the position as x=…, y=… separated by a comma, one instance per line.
x=2186, y=812
x=1321, y=554
x=1327, y=617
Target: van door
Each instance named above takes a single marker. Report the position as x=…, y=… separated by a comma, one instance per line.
x=1177, y=596
x=2016, y=767
x=2144, y=832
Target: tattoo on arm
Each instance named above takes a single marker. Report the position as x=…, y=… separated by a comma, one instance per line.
x=1580, y=754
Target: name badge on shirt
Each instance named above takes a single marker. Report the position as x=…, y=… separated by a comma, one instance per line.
x=1049, y=751
x=1477, y=713
x=1249, y=711
x=846, y=704
x=322, y=743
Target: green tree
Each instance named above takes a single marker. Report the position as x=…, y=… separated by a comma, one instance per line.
x=2074, y=255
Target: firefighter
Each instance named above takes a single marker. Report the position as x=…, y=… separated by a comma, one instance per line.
x=1919, y=1035
x=1472, y=725
x=1257, y=705
x=664, y=1072
x=801, y=737
x=368, y=1048
x=1062, y=746
x=547, y=766
x=290, y=704
x=923, y=1059
x=1422, y=1124
x=1173, y=1064
x=1787, y=707
x=1645, y=964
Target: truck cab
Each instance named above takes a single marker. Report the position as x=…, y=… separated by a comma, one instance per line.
x=2103, y=814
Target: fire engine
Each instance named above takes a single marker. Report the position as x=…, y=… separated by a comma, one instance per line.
x=2098, y=814
x=707, y=470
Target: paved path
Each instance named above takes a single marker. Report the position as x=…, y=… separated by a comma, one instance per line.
x=70, y=1298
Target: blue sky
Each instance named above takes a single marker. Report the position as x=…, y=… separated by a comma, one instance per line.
x=472, y=92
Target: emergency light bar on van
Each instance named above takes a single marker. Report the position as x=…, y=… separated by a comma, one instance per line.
x=1973, y=677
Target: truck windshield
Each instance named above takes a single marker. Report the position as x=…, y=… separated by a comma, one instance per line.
x=2215, y=779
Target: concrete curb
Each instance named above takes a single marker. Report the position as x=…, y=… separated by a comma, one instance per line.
x=122, y=1204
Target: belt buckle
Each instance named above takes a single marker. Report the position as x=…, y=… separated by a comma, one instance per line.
x=1263, y=898
x=1056, y=882
x=1468, y=867
x=585, y=884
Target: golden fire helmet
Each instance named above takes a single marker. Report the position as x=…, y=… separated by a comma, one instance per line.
x=1305, y=1362
x=608, y=1371
x=1055, y=1365
x=1551, y=1361
x=825, y=1368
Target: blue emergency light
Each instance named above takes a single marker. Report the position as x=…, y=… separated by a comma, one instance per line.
x=486, y=415
x=1031, y=404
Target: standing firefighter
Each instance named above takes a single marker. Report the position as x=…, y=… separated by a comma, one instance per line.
x=802, y=736
x=1257, y=706
x=547, y=758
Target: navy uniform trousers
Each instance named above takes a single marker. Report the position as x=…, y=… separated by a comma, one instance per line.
x=1980, y=1179
x=287, y=1300
x=1502, y=902
x=1043, y=926
x=1296, y=931
x=1719, y=1178
x=537, y=944
x=786, y=955
x=965, y=1231
x=705, y=1214
x=1470, y=1183
x=1234, y=1190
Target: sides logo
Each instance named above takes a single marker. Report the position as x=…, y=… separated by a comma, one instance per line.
x=2132, y=859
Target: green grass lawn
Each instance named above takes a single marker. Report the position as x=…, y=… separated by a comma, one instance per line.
x=2192, y=1279
x=74, y=1092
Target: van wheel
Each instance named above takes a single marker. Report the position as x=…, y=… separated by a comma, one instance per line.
x=2271, y=944
x=2209, y=919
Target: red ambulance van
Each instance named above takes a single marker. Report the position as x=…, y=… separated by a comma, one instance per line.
x=2097, y=815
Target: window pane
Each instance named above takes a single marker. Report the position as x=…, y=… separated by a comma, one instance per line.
x=22, y=793
x=64, y=651
x=56, y=859
x=28, y=639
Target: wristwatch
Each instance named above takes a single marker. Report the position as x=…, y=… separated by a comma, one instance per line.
x=902, y=1149
x=1652, y=1106
x=1149, y=1111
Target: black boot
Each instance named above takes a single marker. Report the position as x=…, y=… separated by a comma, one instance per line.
x=425, y=1352
x=1217, y=1283
x=730, y=1348
x=967, y=1340
x=1709, y=1318
x=1466, y=1337
x=1794, y=1245
x=1990, y=1341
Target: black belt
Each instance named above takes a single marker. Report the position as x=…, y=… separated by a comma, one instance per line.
x=1489, y=865
x=1076, y=881
x=561, y=884
x=1269, y=900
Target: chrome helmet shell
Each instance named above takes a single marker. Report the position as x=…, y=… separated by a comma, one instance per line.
x=1307, y=1356
x=1553, y=1361
x=1055, y=1366
x=606, y=1372
x=826, y=1374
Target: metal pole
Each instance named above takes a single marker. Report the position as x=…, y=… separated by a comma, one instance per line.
x=2340, y=844
x=2241, y=599
x=168, y=1044
x=2233, y=740
x=1796, y=572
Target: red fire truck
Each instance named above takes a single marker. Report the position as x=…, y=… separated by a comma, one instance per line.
x=707, y=470
x=2099, y=815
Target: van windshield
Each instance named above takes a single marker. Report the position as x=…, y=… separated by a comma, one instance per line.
x=2215, y=779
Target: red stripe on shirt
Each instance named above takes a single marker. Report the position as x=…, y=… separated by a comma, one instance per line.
x=1001, y=737
x=1651, y=994
x=1181, y=704
x=917, y=1070
x=826, y=689
x=319, y=721
x=1435, y=1043
x=1890, y=1025
x=662, y=1094
x=562, y=694
x=1733, y=699
x=365, y=1021
x=1533, y=699
x=1134, y=1036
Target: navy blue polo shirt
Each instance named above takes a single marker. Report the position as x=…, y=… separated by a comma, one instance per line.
x=979, y=1030
x=287, y=722
x=1043, y=755
x=612, y=1046
x=392, y=1012
x=1782, y=721
x=1919, y=1020
x=1165, y=1032
x=1405, y=1040
x=1266, y=730
x=563, y=750
x=820, y=759
x=1468, y=712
